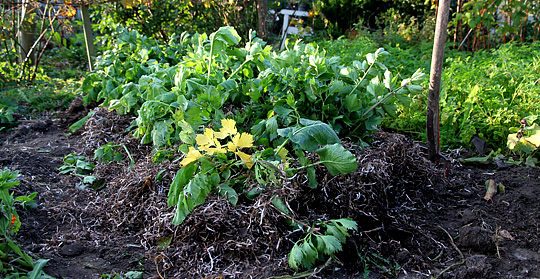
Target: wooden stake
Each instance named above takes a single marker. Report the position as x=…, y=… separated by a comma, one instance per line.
x=432, y=125
x=88, y=36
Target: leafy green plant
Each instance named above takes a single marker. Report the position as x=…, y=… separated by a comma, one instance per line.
x=6, y=118
x=14, y=263
x=79, y=166
x=297, y=83
x=221, y=158
x=316, y=244
x=109, y=152
x=482, y=95
x=45, y=94
x=210, y=165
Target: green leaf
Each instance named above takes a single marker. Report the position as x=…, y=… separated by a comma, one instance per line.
x=280, y=205
x=36, y=272
x=183, y=176
x=229, y=193
x=388, y=79
x=310, y=135
x=77, y=125
x=194, y=194
x=296, y=256
x=187, y=134
x=222, y=38
x=134, y=275
x=272, y=127
x=312, y=178
x=337, y=159
x=531, y=162
x=370, y=57
x=89, y=179
x=310, y=254
x=415, y=89
x=348, y=224
x=328, y=244
x=161, y=134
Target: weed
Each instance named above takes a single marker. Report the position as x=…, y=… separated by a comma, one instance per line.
x=79, y=166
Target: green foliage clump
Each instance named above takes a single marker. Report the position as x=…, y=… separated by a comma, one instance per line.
x=159, y=19
x=301, y=82
x=314, y=246
x=484, y=94
x=45, y=94
x=15, y=263
x=79, y=166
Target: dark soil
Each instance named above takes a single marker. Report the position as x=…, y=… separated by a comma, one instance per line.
x=416, y=219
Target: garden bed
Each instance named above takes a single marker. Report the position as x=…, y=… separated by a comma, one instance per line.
x=415, y=219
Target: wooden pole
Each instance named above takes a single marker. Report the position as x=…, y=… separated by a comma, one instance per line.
x=432, y=125
x=262, y=11
x=88, y=36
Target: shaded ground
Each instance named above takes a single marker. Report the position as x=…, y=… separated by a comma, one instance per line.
x=414, y=221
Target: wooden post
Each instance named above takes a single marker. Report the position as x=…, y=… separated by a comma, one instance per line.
x=432, y=125
x=88, y=36
x=262, y=11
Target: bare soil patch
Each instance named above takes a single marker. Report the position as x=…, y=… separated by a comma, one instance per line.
x=416, y=219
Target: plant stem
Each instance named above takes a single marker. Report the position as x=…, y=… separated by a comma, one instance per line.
x=365, y=75
x=282, y=145
x=393, y=92
x=210, y=58
x=236, y=71
x=292, y=218
x=129, y=155
x=309, y=166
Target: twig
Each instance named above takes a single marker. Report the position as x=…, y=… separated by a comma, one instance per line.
x=305, y=273
x=157, y=266
x=293, y=219
x=457, y=249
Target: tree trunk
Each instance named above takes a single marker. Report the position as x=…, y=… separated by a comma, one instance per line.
x=262, y=11
x=432, y=125
x=26, y=34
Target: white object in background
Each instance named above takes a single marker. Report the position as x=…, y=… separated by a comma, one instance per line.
x=286, y=29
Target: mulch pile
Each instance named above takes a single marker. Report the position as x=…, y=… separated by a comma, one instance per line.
x=252, y=238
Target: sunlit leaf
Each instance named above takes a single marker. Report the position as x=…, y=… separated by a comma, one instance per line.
x=246, y=159
x=191, y=156
x=228, y=129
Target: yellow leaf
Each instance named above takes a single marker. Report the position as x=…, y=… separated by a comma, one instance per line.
x=231, y=147
x=228, y=129
x=243, y=140
x=245, y=158
x=191, y=156
x=240, y=140
x=206, y=139
x=211, y=150
x=283, y=153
